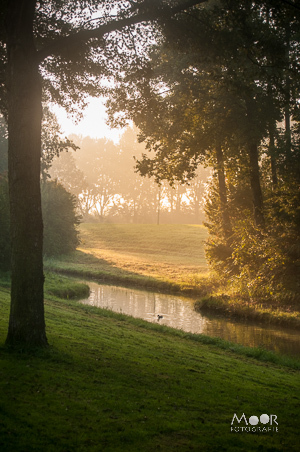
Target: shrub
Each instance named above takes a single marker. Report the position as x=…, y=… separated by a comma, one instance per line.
x=60, y=219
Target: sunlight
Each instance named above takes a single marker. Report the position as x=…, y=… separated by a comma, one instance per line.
x=92, y=124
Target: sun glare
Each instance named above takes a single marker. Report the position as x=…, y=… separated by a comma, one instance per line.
x=93, y=123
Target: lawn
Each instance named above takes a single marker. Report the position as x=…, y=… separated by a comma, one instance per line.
x=109, y=382
x=165, y=258
x=173, y=252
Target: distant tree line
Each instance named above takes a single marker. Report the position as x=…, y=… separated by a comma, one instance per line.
x=102, y=175
x=222, y=88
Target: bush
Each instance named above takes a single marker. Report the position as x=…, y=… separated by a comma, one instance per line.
x=60, y=219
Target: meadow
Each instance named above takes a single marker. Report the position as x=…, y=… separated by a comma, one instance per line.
x=165, y=258
x=165, y=252
x=112, y=383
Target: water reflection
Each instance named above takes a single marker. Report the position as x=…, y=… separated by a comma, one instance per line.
x=178, y=312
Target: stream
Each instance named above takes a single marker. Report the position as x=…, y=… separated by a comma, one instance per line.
x=178, y=312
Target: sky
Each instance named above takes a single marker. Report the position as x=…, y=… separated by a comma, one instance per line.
x=93, y=123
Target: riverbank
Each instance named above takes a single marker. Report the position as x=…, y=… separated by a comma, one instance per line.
x=113, y=383
x=168, y=259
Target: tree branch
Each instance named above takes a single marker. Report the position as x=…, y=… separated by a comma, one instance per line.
x=83, y=36
x=291, y=4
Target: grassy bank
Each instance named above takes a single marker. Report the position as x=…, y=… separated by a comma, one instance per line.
x=113, y=383
x=166, y=258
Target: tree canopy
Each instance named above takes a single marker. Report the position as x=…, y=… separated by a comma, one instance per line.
x=54, y=50
x=222, y=87
x=222, y=77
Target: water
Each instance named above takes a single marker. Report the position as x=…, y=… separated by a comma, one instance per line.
x=178, y=312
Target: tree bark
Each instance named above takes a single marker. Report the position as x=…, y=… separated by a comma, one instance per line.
x=252, y=147
x=26, y=323
x=287, y=113
x=226, y=223
x=257, y=197
x=272, y=156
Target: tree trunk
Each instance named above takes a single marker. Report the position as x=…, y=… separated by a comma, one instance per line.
x=287, y=112
x=226, y=223
x=158, y=205
x=253, y=139
x=272, y=156
x=257, y=197
x=26, y=323
x=178, y=199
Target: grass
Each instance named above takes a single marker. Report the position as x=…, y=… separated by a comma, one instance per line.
x=242, y=309
x=61, y=287
x=166, y=258
x=113, y=383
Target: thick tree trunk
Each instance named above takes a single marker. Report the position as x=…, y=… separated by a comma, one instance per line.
x=226, y=223
x=26, y=323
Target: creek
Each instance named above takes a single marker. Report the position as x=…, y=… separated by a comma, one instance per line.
x=178, y=312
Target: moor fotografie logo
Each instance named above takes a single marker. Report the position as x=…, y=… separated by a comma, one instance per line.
x=264, y=423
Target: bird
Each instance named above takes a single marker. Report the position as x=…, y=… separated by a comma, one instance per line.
x=159, y=316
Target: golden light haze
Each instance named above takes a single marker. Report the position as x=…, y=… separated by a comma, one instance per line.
x=93, y=123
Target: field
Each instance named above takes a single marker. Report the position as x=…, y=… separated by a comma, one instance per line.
x=168, y=257
x=165, y=258
x=112, y=383
x=168, y=250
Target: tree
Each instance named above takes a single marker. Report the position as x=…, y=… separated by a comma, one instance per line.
x=139, y=203
x=3, y=147
x=4, y=225
x=60, y=49
x=65, y=171
x=60, y=219
x=53, y=144
x=100, y=162
x=218, y=96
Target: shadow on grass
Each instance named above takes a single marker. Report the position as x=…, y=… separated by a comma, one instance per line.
x=85, y=265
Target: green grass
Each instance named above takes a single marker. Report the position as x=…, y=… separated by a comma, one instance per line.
x=62, y=287
x=236, y=307
x=112, y=383
x=166, y=258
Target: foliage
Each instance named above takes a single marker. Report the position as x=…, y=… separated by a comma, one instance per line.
x=60, y=219
x=52, y=141
x=56, y=51
x=222, y=88
x=168, y=259
x=103, y=177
